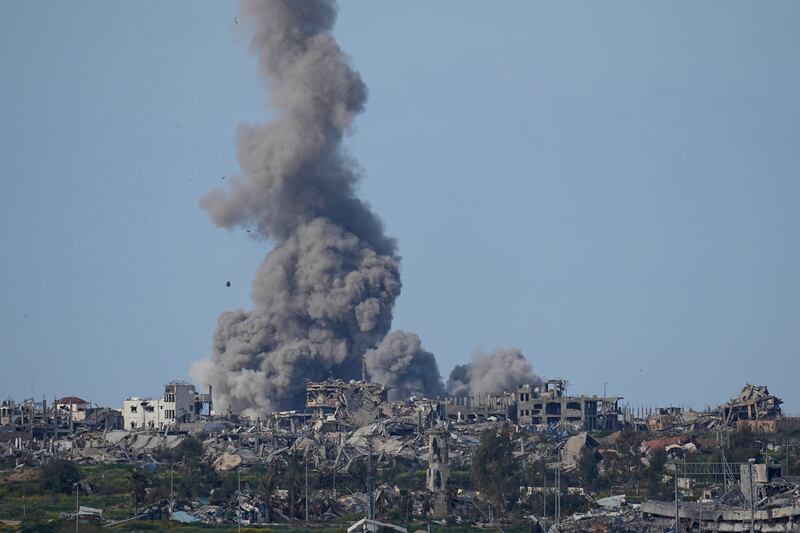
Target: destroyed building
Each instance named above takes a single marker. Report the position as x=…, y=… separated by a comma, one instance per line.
x=753, y=403
x=73, y=407
x=759, y=499
x=501, y=406
x=353, y=403
x=32, y=421
x=8, y=410
x=548, y=405
x=438, y=469
x=180, y=403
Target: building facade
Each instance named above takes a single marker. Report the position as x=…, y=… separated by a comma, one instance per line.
x=481, y=407
x=180, y=403
x=72, y=407
x=548, y=405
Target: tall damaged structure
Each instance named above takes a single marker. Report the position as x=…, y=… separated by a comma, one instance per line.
x=180, y=403
x=759, y=411
x=438, y=470
x=549, y=405
x=753, y=403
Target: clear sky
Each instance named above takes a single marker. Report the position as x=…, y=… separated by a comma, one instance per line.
x=611, y=187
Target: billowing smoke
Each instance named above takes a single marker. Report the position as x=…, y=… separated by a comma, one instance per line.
x=325, y=293
x=491, y=373
x=401, y=362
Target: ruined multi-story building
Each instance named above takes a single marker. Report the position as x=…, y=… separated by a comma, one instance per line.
x=350, y=402
x=73, y=407
x=753, y=403
x=8, y=412
x=180, y=403
x=482, y=407
x=548, y=405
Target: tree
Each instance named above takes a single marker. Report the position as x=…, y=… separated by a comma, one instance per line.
x=190, y=452
x=654, y=475
x=59, y=475
x=624, y=467
x=493, y=468
x=195, y=476
x=587, y=468
x=293, y=478
x=743, y=446
x=269, y=483
x=140, y=481
x=38, y=522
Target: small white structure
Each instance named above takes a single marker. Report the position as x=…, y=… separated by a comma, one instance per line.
x=72, y=407
x=180, y=403
x=8, y=409
x=366, y=525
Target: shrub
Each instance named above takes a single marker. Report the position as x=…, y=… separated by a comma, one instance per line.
x=59, y=475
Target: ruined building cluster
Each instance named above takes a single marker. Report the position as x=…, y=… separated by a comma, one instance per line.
x=344, y=423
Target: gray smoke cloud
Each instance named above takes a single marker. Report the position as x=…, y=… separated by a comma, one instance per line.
x=492, y=373
x=402, y=363
x=325, y=293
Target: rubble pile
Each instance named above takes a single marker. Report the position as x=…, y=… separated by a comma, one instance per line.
x=349, y=425
x=776, y=508
x=754, y=402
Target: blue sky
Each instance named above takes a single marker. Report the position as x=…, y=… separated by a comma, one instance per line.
x=610, y=187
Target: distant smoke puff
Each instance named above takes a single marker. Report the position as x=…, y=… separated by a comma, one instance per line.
x=492, y=373
x=402, y=363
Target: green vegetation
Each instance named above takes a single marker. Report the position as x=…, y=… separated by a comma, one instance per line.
x=59, y=475
x=42, y=496
x=494, y=471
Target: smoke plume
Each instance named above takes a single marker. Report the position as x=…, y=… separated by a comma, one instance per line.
x=492, y=373
x=401, y=362
x=325, y=293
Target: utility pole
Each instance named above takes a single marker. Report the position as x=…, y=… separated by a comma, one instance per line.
x=171, y=494
x=77, y=504
x=677, y=505
x=558, y=488
x=239, y=498
x=544, y=497
x=752, y=496
x=336, y=463
x=371, y=512
x=306, y=483
x=788, y=447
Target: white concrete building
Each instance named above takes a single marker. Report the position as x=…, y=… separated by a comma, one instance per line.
x=72, y=407
x=180, y=403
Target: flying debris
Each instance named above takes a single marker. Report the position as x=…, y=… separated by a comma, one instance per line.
x=228, y=284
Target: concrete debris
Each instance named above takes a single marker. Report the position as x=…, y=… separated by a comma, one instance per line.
x=753, y=403
x=574, y=449
x=777, y=510
x=349, y=424
x=227, y=462
x=611, y=501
